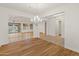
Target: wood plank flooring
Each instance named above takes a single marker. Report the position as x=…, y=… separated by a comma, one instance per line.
x=35, y=47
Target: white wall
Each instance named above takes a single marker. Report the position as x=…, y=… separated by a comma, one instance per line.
x=51, y=27
x=40, y=27
x=72, y=27
x=3, y=27
x=71, y=24
x=4, y=16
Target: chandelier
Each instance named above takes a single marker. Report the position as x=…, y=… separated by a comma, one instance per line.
x=37, y=19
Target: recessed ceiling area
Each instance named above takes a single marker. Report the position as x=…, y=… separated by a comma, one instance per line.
x=33, y=8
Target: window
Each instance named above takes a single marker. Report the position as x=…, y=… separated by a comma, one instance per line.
x=13, y=27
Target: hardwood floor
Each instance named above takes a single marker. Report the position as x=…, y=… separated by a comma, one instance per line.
x=58, y=40
x=35, y=47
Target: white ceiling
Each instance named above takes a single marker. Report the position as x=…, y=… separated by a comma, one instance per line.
x=33, y=8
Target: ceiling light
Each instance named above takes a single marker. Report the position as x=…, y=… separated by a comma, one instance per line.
x=37, y=19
